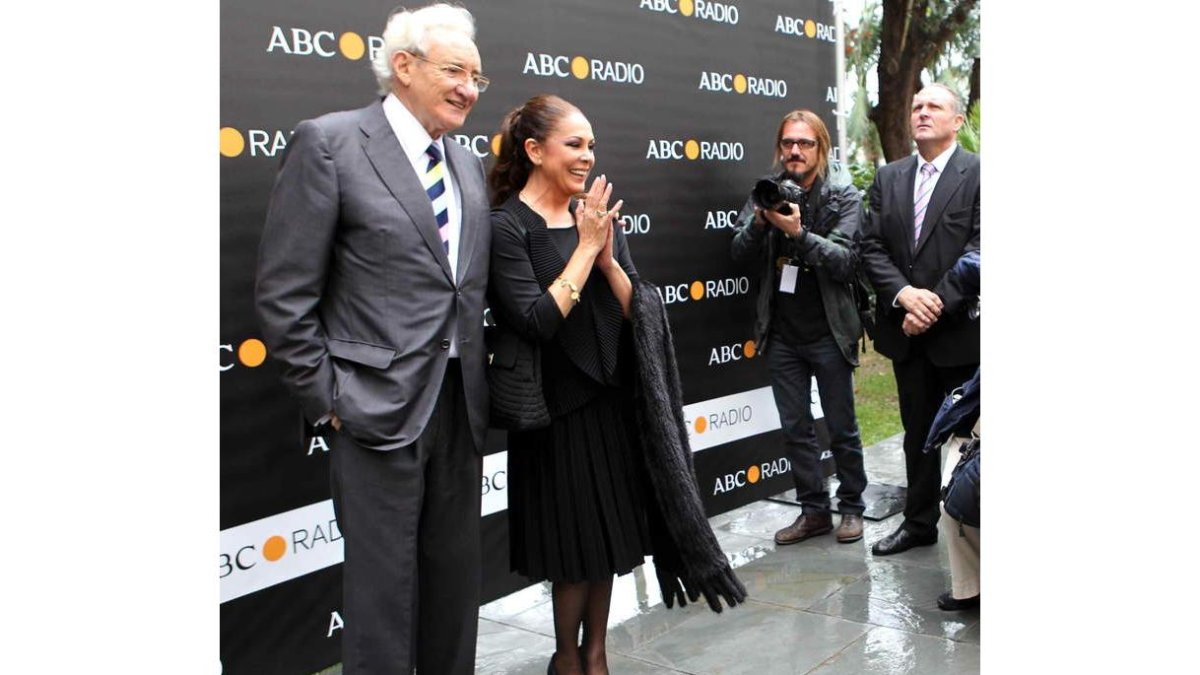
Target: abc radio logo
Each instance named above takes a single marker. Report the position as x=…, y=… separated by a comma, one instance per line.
x=582, y=68
x=635, y=223
x=751, y=475
x=717, y=12
x=275, y=547
x=322, y=43
x=724, y=151
x=259, y=142
x=699, y=290
x=742, y=84
x=720, y=220
x=250, y=353
x=264, y=143
x=496, y=482
x=731, y=353
x=723, y=419
x=805, y=28
x=480, y=145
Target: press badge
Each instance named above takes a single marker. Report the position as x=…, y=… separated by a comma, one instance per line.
x=787, y=278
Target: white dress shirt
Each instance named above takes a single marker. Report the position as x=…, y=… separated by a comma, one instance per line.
x=415, y=141
x=939, y=163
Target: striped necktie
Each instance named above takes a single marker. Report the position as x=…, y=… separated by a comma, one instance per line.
x=435, y=186
x=922, y=201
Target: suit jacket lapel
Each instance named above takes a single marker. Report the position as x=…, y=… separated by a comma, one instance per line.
x=947, y=185
x=469, y=193
x=905, y=199
x=386, y=154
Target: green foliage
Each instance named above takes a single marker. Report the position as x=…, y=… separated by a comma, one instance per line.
x=952, y=65
x=876, y=404
x=862, y=56
x=862, y=175
x=968, y=133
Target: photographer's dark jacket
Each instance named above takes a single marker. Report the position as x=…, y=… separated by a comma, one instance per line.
x=828, y=245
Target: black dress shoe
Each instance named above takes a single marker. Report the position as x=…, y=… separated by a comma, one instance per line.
x=948, y=603
x=900, y=541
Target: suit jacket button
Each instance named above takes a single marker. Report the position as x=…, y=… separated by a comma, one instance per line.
x=445, y=344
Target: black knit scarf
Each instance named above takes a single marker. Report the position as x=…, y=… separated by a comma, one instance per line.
x=689, y=551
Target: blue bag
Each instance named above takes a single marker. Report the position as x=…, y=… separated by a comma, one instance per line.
x=960, y=496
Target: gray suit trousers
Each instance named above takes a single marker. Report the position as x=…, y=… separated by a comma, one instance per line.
x=410, y=522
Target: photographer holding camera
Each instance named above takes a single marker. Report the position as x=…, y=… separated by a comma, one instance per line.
x=803, y=232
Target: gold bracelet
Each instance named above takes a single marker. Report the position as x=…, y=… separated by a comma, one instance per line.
x=574, y=289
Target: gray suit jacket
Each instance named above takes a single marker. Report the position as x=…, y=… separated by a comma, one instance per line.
x=354, y=290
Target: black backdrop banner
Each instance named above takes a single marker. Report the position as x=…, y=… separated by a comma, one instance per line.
x=684, y=97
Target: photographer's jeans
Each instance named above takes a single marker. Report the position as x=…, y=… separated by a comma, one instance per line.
x=792, y=369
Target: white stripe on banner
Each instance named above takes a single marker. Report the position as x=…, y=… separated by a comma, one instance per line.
x=495, y=483
x=737, y=416
x=282, y=547
x=278, y=548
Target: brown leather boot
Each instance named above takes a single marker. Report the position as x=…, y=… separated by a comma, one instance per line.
x=807, y=525
x=850, y=529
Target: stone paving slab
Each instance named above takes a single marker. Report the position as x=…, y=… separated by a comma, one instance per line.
x=887, y=651
x=815, y=608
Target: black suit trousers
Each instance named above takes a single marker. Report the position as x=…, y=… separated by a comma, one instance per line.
x=922, y=386
x=411, y=580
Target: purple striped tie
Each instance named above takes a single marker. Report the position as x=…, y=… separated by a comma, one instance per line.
x=435, y=187
x=922, y=201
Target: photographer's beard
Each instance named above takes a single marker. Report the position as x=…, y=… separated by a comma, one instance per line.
x=795, y=169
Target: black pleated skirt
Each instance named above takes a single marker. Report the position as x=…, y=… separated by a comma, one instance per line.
x=577, y=491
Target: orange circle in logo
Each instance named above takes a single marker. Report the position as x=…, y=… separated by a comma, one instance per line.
x=749, y=349
x=700, y=425
x=351, y=45
x=496, y=145
x=686, y=7
x=696, y=290
x=810, y=28
x=579, y=67
x=232, y=142
x=274, y=548
x=753, y=474
x=691, y=149
x=252, y=353
x=739, y=83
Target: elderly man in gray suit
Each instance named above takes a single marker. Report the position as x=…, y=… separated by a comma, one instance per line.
x=370, y=290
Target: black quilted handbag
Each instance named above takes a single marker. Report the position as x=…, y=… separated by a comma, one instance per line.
x=514, y=376
x=961, y=495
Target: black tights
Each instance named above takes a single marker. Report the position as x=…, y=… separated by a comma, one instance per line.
x=583, y=604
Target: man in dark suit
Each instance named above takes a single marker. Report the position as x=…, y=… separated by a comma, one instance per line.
x=370, y=290
x=923, y=215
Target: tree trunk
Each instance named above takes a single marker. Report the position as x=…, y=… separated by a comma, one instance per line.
x=909, y=42
x=974, y=96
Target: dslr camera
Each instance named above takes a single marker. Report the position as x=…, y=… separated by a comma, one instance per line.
x=772, y=194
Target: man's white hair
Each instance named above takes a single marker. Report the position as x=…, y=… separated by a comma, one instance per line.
x=409, y=30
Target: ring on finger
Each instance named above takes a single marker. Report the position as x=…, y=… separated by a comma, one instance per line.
x=600, y=213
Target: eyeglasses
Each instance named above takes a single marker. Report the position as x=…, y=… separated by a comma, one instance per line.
x=457, y=73
x=789, y=143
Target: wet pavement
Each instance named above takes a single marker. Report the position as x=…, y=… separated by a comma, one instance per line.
x=815, y=608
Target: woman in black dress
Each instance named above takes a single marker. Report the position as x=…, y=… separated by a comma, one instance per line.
x=561, y=276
